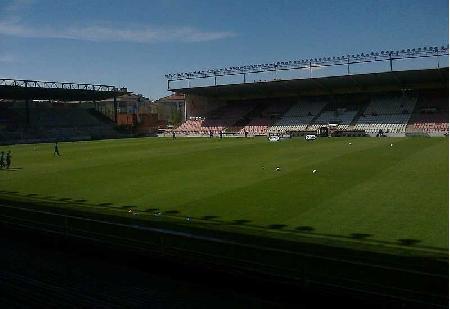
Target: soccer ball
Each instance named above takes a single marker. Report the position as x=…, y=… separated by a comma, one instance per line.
x=349, y=143
x=392, y=145
x=277, y=169
x=314, y=171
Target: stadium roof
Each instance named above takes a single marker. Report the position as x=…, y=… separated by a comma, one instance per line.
x=13, y=89
x=173, y=97
x=359, y=83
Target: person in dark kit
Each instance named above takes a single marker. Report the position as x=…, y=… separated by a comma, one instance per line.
x=2, y=159
x=173, y=135
x=8, y=159
x=220, y=133
x=210, y=134
x=246, y=134
x=56, y=151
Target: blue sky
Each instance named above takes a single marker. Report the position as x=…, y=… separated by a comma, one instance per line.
x=134, y=43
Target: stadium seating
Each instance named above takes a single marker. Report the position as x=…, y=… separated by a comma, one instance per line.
x=434, y=124
x=298, y=117
x=430, y=116
x=52, y=123
x=388, y=113
x=393, y=114
x=342, y=119
x=256, y=126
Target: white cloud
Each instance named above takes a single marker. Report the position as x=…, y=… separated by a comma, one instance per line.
x=106, y=33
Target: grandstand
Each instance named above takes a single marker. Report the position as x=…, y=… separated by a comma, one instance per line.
x=50, y=123
x=37, y=111
x=372, y=103
x=389, y=103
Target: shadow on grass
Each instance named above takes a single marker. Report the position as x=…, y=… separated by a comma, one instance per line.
x=151, y=210
x=305, y=229
x=126, y=207
x=408, y=242
x=241, y=221
x=36, y=199
x=104, y=204
x=209, y=217
x=48, y=197
x=360, y=235
x=172, y=212
x=64, y=199
x=276, y=226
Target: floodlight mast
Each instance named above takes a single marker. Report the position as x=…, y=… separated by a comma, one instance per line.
x=348, y=60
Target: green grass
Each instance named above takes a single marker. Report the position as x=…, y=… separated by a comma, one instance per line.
x=388, y=193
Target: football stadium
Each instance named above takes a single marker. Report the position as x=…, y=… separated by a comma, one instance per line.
x=284, y=184
x=368, y=196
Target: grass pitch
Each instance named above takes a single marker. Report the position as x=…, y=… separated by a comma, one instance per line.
x=365, y=190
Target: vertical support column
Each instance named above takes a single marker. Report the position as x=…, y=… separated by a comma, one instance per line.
x=310, y=69
x=244, y=78
x=27, y=111
x=27, y=108
x=115, y=109
x=348, y=65
x=215, y=80
x=390, y=60
x=168, y=84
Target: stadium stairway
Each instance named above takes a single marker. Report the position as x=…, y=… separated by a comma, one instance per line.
x=100, y=116
x=314, y=119
x=362, y=108
x=245, y=120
